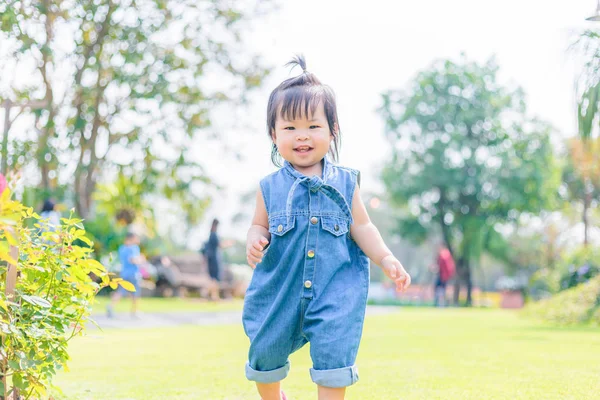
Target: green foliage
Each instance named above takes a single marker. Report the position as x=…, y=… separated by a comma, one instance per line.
x=579, y=267
x=580, y=304
x=138, y=82
x=105, y=234
x=466, y=157
x=53, y=295
x=570, y=270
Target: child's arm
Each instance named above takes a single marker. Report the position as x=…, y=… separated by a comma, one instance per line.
x=368, y=238
x=258, y=235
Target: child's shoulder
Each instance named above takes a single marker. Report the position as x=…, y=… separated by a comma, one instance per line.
x=347, y=169
x=273, y=176
x=351, y=173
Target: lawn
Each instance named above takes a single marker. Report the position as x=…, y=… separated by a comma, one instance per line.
x=415, y=353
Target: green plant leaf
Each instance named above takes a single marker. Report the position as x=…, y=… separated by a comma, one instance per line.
x=38, y=301
x=19, y=382
x=86, y=241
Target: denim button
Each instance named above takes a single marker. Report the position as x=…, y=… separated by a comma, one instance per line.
x=311, y=254
x=314, y=220
x=336, y=227
x=279, y=228
x=307, y=284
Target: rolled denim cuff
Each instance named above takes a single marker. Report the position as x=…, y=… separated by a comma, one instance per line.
x=272, y=376
x=335, y=378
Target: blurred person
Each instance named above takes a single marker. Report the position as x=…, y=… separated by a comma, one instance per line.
x=309, y=244
x=445, y=269
x=50, y=216
x=131, y=259
x=212, y=252
x=214, y=258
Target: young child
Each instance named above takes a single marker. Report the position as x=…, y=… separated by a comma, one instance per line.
x=130, y=257
x=309, y=243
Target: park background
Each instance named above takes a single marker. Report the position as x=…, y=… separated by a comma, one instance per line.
x=473, y=123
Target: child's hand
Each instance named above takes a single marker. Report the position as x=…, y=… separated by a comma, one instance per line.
x=254, y=250
x=396, y=272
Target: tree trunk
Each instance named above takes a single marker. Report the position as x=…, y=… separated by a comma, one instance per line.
x=463, y=275
x=85, y=174
x=456, y=294
x=587, y=201
x=468, y=281
x=49, y=129
x=457, y=282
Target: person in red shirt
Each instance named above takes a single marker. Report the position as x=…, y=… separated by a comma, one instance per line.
x=445, y=270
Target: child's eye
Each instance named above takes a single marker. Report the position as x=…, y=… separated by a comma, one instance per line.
x=289, y=128
x=314, y=126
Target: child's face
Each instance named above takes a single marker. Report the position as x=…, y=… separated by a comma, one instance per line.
x=305, y=141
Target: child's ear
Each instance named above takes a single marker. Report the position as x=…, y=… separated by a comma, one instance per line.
x=273, y=135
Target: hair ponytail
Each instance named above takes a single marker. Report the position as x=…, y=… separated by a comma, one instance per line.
x=299, y=96
x=298, y=60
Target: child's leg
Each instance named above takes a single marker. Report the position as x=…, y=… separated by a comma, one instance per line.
x=114, y=299
x=269, y=391
x=134, y=303
x=327, y=393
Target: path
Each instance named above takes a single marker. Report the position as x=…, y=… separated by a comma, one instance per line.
x=157, y=320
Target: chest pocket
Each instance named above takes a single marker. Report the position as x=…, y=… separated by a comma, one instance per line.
x=335, y=226
x=279, y=226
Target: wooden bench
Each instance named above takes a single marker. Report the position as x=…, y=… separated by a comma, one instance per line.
x=189, y=274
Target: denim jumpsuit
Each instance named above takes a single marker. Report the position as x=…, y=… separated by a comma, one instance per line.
x=312, y=283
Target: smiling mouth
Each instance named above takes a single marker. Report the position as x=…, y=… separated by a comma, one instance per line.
x=303, y=149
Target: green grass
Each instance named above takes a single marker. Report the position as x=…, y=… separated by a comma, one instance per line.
x=160, y=305
x=412, y=354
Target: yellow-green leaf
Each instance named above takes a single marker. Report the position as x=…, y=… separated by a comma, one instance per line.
x=86, y=241
x=6, y=257
x=3, y=305
x=127, y=286
x=10, y=238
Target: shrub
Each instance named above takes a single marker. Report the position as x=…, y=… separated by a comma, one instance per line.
x=580, y=304
x=52, y=299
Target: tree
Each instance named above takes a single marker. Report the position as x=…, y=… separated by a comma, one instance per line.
x=588, y=83
x=466, y=159
x=581, y=177
x=586, y=165
x=129, y=86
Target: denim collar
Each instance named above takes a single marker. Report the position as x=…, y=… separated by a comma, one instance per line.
x=296, y=174
x=315, y=184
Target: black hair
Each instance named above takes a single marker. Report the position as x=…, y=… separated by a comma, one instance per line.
x=130, y=235
x=294, y=97
x=48, y=205
x=214, y=225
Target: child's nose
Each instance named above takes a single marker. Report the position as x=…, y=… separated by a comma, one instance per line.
x=302, y=135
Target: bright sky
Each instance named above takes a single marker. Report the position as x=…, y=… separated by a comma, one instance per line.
x=362, y=49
